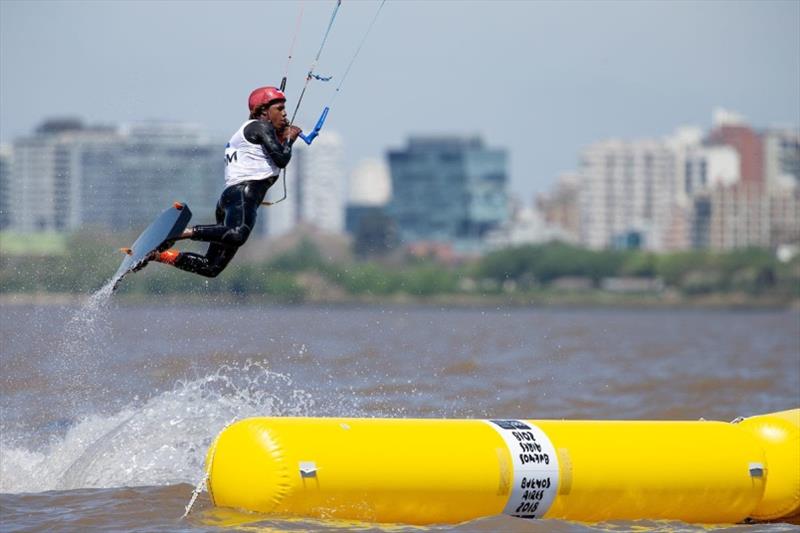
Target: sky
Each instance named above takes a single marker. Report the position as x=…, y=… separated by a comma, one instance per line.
x=540, y=79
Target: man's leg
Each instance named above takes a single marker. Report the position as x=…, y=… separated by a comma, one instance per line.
x=240, y=204
x=236, y=216
x=210, y=265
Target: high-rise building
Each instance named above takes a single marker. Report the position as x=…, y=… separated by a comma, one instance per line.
x=728, y=212
x=782, y=175
x=707, y=167
x=733, y=188
x=68, y=176
x=739, y=216
x=321, y=184
x=627, y=194
x=731, y=130
x=315, y=182
x=704, y=168
x=5, y=178
x=785, y=217
x=157, y=163
x=737, y=205
x=700, y=222
x=781, y=158
x=684, y=143
x=47, y=175
x=451, y=189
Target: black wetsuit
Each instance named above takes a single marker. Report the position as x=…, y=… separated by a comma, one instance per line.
x=236, y=209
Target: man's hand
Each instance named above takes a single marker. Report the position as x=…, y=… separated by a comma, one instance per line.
x=290, y=133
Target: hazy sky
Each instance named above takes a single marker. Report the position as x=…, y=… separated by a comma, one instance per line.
x=542, y=79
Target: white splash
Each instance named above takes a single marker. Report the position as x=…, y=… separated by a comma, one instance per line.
x=161, y=442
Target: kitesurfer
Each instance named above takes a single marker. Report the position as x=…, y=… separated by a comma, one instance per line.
x=253, y=159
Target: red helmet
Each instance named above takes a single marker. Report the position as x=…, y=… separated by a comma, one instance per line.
x=264, y=95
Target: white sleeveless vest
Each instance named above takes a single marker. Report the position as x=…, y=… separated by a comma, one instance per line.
x=245, y=161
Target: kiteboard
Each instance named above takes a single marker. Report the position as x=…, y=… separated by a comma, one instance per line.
x=159, y=235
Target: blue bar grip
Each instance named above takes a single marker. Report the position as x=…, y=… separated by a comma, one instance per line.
x=313, y=135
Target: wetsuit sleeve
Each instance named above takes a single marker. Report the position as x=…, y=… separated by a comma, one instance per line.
x=264, y=133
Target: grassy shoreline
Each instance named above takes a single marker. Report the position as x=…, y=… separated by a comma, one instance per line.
x=548, y=275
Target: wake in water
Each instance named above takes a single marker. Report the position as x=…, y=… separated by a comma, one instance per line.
x=161, y=442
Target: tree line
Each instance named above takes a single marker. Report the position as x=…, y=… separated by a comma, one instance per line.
x=294, y=276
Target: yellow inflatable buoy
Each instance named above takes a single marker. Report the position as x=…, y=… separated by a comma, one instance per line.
x=416, y=471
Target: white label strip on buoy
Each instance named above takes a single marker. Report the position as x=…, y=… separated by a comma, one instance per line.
x=535, y=468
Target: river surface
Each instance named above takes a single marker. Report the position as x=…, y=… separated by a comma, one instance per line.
x=107, y=409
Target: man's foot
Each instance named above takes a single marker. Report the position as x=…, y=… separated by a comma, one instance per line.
x=187, y=234
x=167, y=256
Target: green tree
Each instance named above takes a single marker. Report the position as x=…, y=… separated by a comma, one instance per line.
x=306, y=256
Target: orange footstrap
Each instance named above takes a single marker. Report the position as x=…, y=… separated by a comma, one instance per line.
x=168, y=256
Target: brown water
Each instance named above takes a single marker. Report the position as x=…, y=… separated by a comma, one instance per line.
x=107, y=410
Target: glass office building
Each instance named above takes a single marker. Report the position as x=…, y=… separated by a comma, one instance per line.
x=448, y=189
x=129, y=183
x=68, y=176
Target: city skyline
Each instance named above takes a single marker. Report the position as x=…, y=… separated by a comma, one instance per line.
x=352, y=166
x=543, y=79
x=729, y=187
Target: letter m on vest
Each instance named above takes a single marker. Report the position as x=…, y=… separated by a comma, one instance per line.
x=230, y=158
